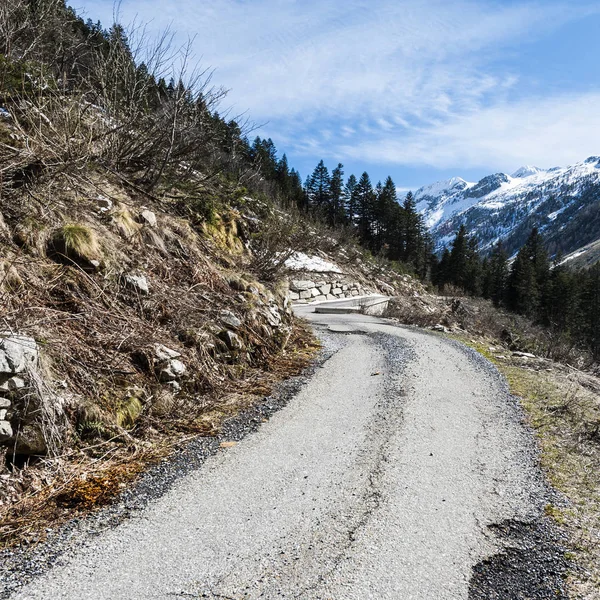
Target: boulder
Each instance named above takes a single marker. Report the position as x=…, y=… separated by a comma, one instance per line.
x=336, y=291
x=273, y=315
x=4, y=402
x=305, y=295
x=17, y=353
x=12, y=384
x=233, y=340
x=321, y=298
x=294, y=296
x=148, y=217
x=30, y=441
x=229, y=319
x=315, y=292
x=301, y=285
x=325, y=289
x=138, y=283
x=6, y=431
x=174, y=369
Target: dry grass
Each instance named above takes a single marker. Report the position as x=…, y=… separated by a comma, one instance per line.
x=97, y=338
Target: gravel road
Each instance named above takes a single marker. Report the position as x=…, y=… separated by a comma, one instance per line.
x=385, y=477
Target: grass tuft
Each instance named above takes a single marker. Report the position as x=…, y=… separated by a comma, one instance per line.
x=76, y=242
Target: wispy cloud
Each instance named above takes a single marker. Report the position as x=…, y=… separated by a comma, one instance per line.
x=353, y=78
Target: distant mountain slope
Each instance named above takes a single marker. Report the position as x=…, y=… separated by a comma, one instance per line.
x=564, y=203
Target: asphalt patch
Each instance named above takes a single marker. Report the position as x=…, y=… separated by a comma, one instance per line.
x=532, y=564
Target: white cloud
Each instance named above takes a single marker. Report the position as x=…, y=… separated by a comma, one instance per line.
x=399, y=81
x=542, y=131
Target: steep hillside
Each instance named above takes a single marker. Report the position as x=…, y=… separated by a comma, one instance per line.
x=564, y=203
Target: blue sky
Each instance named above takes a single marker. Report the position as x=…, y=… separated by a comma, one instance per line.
x=419, y=89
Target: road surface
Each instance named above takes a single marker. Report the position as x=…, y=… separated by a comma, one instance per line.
x=378, y=480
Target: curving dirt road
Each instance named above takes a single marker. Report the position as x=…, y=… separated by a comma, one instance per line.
x=380, y=479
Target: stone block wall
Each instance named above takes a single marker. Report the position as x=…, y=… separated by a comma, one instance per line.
x=303, y=291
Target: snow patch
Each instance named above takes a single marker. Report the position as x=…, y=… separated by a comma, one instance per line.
x=302, y=262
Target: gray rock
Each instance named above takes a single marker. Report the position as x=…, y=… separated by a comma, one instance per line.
x=12, y=384
x=336, y=291
x=273, y=316
x=305, y=295
x=344, y=288
x=320, y=284
x=325, y=289
x=17, y=353
x=6, y=431
x=174, y=369
x=321, y=298
x=294, y=296
x=301, y=285
x=138, y=282
x=3, y=412
x=331, y=297
x=174, y=386
x=524, y=354
x=149, y=218
x=440, y=327
x=164, y=353
x=4, y=402
x=229, y=319
x=315, y=292
x=30, y=440
x=233, y=340
x=354, y=292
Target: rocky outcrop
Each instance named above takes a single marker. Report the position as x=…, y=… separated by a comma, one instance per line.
x=18, y=355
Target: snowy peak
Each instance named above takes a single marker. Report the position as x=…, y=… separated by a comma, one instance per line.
x=455, y=184
x=487, y=185
x=527, y=171
x=563, y=202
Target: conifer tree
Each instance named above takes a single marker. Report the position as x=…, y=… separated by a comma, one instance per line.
x=319, y=189
x=351, y=200
x=365, y=203
x=337, y=213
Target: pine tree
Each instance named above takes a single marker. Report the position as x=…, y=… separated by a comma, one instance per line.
x=458, y=264
x=319, y=190
x=365, y=200
x=528, y=277
x=496, y=275
x=337, y=213
x=591, y=309
x=351, y=200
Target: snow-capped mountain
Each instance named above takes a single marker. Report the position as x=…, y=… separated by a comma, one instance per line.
x=564, y=203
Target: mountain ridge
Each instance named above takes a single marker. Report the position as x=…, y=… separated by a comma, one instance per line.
x=562, y=202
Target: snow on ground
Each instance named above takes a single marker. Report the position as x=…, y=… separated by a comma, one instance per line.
x=572, y=256
x=302, y=262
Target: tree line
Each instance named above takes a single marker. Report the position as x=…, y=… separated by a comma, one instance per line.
x=545, y=291
x=385, y=224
